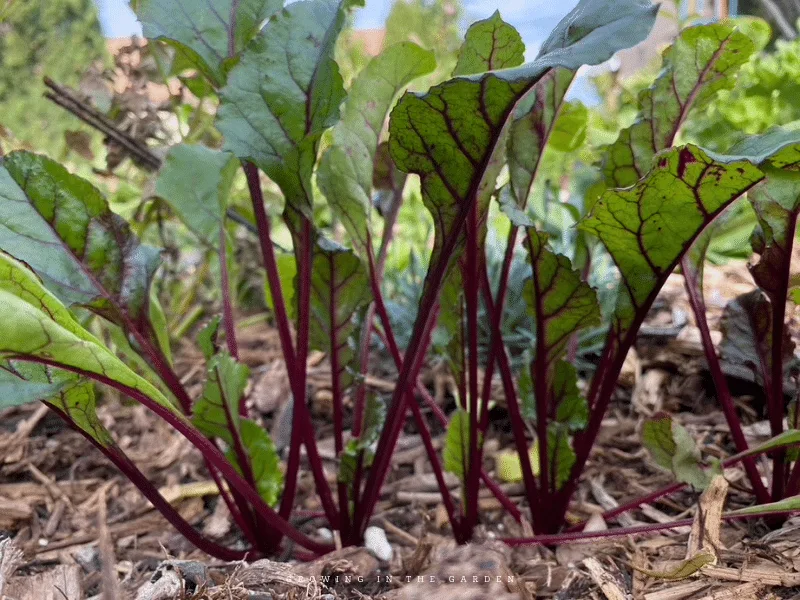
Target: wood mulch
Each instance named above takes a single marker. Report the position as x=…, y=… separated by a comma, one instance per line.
x=75, y=528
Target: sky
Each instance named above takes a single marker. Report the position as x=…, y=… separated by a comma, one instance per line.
x=534, y=19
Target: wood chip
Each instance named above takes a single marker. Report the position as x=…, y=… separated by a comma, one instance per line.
x=61, y=583
x=766, y=576
x=748, y=591
x=106, y=547
x=677, y=592
x=708, y=520
x=604, y=580
x=10, y=559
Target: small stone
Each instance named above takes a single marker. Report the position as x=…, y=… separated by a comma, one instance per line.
x=375, y=541
x=325, y=534
x=88, y=557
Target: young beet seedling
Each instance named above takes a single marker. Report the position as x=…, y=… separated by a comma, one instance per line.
x=65, y=253
x=67, y=257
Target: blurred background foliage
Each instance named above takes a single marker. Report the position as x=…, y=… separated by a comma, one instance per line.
x=59, y=38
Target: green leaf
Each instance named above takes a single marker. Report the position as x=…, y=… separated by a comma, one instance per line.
x=339, y=288
x=374, y=417
x=560, y=454
x=283, y=94
x=534, y=128
x=509, y=466
x=790, y=437
x=782, y=506
x=78, y=403
x=196, y=181
x=673, y=449
x=778, y=148
x=39, y=328
x=22, y=383
x=456, y=445
x=210, y=33
x=489, y=45
x=647, y=228
x=159, y=321
x=264, y=461
x=777, y=206
x=62, y=227
x=510, y=208
x=569, y=132
x=287, y=272
x=207, y=338
x=560, y=302
x=216, y=412
x=572, y=410
x=703, y=60
x=451, y=136
x=451, y=330
x=454, y=136
x=345, y=173
x=526, y=398
x=216, y=415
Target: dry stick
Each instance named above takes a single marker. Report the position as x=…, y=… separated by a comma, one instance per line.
x=68, y=100
x=572, y=536
x=692, y=285
x=284, y=333
x=109, y=582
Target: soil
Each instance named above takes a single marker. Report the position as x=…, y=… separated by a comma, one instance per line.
x=76, y=528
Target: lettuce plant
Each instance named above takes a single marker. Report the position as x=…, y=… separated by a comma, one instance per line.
x=67, y=259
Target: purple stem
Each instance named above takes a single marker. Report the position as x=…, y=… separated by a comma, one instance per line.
x=302, y=426
x=517, y=421
x=539, y=376
x=206, y=448
x=338, y=404
x=775, y=400
x=692, y=283
x=437, y=411
x=561, y=538
x=149, y=491
x=425, y=433
x=227, y=303
x=366, y=333
x=304, y=433
x=495, y=336
x=246, y=525
x=471, y=281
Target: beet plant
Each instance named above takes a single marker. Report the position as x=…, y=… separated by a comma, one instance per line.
x=69, y=263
